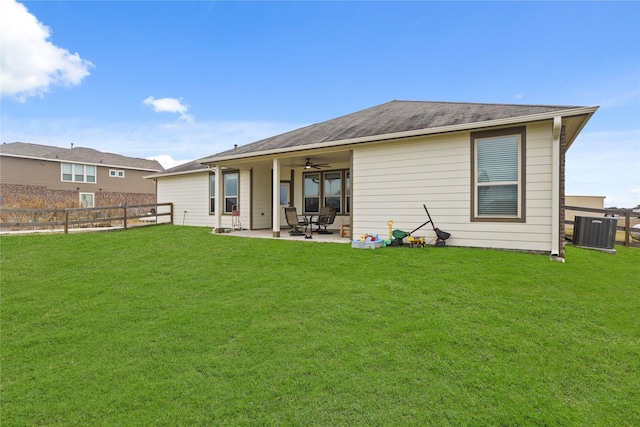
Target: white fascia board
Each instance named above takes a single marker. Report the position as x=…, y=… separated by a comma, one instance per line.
x=583, y=123
x=412, y=133
x=162, y=175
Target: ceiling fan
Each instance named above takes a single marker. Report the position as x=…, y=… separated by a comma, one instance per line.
x=311, y=165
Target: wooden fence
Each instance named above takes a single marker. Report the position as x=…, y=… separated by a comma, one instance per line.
x=625, y=216
x=124, y=216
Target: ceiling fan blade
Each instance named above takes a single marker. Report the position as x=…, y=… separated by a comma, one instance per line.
x=311, y=165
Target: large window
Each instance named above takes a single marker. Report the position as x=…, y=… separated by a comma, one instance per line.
x=498, y=175
x=73, y=172
x=212, y=193
x=330, y=189
x=231, y=189
x=312, y=192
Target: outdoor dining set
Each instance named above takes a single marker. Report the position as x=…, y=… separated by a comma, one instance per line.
x=323, y=219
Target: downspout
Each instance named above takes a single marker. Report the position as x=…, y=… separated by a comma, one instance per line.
x=276, y=197
x=555, y=188
x=219, y=199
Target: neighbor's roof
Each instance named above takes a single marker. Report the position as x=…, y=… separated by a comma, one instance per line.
x=77, y=155
x=393, y=118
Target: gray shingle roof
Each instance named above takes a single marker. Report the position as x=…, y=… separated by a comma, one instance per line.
x=78, y=155
x=393, y=117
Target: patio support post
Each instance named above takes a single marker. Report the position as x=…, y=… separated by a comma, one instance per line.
x=219, y=199
x=276, y=198
x=555, y=188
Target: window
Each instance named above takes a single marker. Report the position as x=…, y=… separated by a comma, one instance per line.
x=212, y=193
x=91, y=173
x=312, y=192
x=330, y=189
x=498, y=175
x=78, y=171
x=113, y=173
x=74, y=172
x=285, y=190
x=67, y=173
x=230, y=191
x=86, y=200
x=333, y=190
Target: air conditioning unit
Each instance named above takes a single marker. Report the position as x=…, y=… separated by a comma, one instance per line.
x=595, y=232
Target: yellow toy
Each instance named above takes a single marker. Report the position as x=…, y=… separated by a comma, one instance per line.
x=418, y=241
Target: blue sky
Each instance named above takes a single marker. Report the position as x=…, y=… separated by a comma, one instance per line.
x=178, y=81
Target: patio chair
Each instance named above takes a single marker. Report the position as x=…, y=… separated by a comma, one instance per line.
x=295, y=222
x=325, y=219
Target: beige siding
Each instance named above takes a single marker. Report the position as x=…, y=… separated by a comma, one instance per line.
x=188, y=193
x=393, y=180
x=262, y=177
x=31, y=172
x=245, y=198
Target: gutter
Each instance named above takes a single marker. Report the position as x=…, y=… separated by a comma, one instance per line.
x=162, y=175
x=408, y=134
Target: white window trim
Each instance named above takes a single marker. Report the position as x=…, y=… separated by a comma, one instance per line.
x=520, y=132
x=73, y=173
x=93, y=199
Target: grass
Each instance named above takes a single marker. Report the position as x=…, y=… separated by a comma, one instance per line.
x=174, y=326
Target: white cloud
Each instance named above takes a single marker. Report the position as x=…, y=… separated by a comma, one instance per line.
x=29, y=63
x=170, y=105
x=167, y=161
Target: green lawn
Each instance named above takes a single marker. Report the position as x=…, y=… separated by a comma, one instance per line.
x=173, y=326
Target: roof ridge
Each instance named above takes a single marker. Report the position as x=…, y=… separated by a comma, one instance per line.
x=479, y=103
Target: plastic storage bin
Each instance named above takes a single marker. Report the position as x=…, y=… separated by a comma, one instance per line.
x=357, y=244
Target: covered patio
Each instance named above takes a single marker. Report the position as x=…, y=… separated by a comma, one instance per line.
x=284, y=235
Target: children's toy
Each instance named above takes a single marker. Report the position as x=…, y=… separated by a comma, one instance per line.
x=399, y=235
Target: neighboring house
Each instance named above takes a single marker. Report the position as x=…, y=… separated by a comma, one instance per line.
x=492, y=175
x=591, y=202
x=42, y=175
x=188, y=187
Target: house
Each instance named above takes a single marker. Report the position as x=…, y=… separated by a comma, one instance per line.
x=188, y=186
x=590, y=202
x=47, y=176
x=492, y=175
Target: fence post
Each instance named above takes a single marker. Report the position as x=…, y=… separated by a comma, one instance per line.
x=66, y=221
x=124, y=216
x=627, y=227
x=171, y=213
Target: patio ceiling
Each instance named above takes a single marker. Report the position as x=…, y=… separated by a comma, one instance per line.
x=293, y=160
